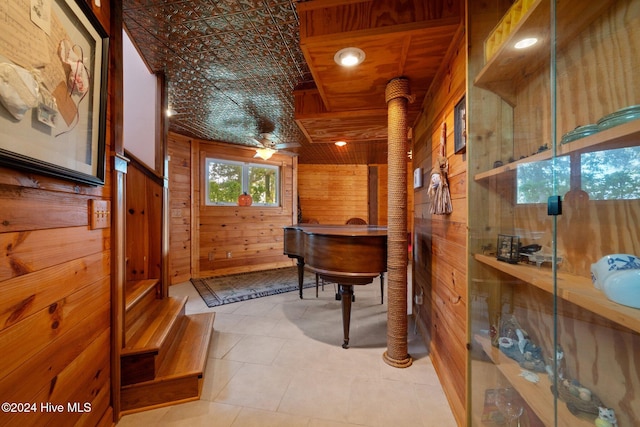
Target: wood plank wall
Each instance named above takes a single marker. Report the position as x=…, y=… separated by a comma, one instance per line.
x=253, y=234
x=55, y=282
x=331, y=194
x=440, y=251
x=225, y=239
x=144, y=222
x=180, y=205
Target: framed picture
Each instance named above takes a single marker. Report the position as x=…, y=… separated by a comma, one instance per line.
x=53, y=91
x=460, y=127
x=417, y=178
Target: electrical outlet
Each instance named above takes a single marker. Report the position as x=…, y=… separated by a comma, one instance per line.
x=228, y=255
x=99, y=213
x=418, y=299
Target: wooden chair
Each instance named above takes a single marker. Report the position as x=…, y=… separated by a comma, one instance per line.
x=356, y=221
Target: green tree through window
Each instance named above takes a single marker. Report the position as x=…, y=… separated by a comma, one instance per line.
x=227, y=180
x=604, y=175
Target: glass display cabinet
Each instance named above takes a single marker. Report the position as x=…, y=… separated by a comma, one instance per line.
x=554, y=184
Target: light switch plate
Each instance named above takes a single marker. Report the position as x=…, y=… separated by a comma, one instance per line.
x=99, y=213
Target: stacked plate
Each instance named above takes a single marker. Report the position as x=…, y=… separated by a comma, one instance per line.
x=579, y=132
x=621, y=116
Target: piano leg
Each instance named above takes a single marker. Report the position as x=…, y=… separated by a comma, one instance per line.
x=346, y=293
x=300, y=274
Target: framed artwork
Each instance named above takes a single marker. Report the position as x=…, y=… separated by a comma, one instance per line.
x=53, y=91
x=417, y=178
x=460, y=127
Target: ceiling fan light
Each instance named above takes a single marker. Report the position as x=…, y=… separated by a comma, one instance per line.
x=264, y=153
x=349, y=56
x=340, y=143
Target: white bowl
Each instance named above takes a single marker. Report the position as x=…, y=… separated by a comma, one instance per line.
x=623, y=287
x=610, y=264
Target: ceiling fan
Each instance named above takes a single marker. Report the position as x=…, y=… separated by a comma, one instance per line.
x=267, y=146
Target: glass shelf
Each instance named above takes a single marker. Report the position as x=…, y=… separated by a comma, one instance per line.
x=537, y=395
x=624, y=135
x=576, y=289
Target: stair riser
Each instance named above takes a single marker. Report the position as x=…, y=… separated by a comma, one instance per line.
x=176, y=332
x=137, y=368
x=148, y=395
x=139, y=309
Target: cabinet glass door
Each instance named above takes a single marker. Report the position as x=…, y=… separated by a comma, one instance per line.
x=554, y=162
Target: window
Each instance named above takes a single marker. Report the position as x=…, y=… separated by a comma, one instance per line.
x=226, y=180
x=535, y=180
x=612, y=174
x=604, y=175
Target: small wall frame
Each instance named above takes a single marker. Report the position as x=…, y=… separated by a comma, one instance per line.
x=460, y=126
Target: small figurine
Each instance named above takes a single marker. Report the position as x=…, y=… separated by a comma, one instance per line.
x=606, y=418
x=560, y=365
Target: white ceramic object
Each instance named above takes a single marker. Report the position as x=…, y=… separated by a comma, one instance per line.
x=623, y=287
x=610, y=264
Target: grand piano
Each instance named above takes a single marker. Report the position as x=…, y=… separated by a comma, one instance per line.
x=344, y=254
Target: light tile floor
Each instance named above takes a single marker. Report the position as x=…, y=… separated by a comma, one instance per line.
x=278, y=361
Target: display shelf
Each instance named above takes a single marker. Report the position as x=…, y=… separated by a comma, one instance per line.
x=537, y=395
x=575, y=289
x=624, y=135
x=508, y=65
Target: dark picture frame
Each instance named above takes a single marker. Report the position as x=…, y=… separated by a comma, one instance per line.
x=58, y=51
x=460, y=126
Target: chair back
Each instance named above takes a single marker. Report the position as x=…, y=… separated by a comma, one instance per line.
x=356, y=221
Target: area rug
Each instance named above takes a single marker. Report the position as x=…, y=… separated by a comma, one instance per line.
x=221, y=290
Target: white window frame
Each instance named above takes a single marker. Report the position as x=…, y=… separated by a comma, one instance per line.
x=244, y=181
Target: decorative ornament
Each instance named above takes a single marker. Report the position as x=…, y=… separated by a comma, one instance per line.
x=245, y=199
x=438, y=192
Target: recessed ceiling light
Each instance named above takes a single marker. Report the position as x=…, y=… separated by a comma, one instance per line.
x=349, y=56
x=525, y=43
x=341, y=143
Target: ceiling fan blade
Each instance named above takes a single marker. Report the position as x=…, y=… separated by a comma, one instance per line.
x=288, y=153
x=287, y=145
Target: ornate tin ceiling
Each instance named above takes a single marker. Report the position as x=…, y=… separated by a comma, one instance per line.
x=232, y=67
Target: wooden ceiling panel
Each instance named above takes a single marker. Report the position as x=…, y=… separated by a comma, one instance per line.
x=400, y=39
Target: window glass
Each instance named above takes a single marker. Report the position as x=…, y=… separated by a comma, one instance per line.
x=263, y=184
x=226, y=180
x=604, y=175
x=535, y=180
x=612, y=174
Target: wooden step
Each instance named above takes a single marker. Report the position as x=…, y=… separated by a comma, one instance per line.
x=139, y=295
x=149, y=339
x=180, y=375
x=136, y=290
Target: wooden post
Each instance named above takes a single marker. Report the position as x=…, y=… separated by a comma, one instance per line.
x=397, y=97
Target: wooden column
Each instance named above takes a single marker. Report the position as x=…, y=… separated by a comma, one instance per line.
x=397, y=96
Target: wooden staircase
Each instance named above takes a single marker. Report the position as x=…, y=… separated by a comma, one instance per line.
x=165, y=351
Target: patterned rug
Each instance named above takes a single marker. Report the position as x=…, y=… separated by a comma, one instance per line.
x=221, y=290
